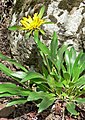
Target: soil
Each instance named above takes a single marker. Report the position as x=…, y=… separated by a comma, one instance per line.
x=29, y=110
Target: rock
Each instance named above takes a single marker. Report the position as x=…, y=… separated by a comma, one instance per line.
x=69, y=24
x=6, y=111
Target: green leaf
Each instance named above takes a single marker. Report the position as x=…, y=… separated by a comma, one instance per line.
x=45, y=71
x=5, y=70
x=27, y=35
x=80, y=81
x=35, y=96
x=63, y=68
x=51, y=82
x=38, y=95
x=70, y=57
x=19, y=74
x=76, y=67
x=15, y=27
x=45, y=103
x=60, y=59
x=40, y=45
x=82, y=58
x=67, y=60
x=42, y=31
x=76, y=73
x=41, y=11
x=38, y=81
x=66, y=75
x=71, y=108
x=13, y=62
x=48, y=22
x=80, y=100
x=6, y=94
x=65, y=83
x=36, y=36
x=8, y=87
x=20, y=93
x=59, y=84
x=17, y=101
x=43, y=48
x=13, y=89
x=54, y=45
x=82, y=67
x=32, y=75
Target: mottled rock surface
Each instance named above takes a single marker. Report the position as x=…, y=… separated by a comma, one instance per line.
x=69, y=23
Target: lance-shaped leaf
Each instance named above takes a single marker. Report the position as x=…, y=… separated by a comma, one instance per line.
x=41, y=11
x=60, y=59
x=80, y=100
x=45, y=103
x=36, y=95
x=17, y=101
x=6, y=94
x=80, y=81
x=15, y=27
x=66, y=76
x=13, y=89
x=40, y=45
x=27, y=35
x=5, y=70
x=54, y=45
x=76, y=67
x=13, y=62
x=42, y=31
x=33, y=75
x=71, y=108
x=19, y=74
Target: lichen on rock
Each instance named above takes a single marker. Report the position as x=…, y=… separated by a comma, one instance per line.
x=69, y=20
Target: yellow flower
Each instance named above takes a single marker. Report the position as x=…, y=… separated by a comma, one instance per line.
x=31, y=23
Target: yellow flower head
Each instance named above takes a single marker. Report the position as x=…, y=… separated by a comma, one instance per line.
x=31, y=23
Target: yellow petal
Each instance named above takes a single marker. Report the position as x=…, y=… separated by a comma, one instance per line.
x=25, y=24
x=30, y=24
x=35, y=16
x=29, y=19
x=25, y=19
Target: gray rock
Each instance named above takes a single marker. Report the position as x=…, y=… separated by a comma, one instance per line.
x=69, y=24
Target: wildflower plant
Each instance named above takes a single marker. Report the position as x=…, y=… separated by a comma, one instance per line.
x=30, y=24
x=61, y=77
